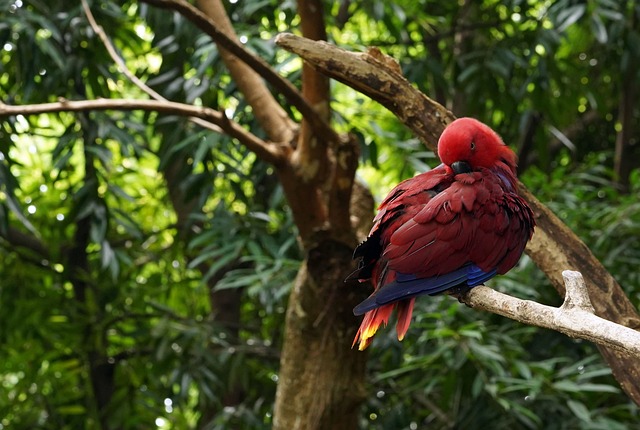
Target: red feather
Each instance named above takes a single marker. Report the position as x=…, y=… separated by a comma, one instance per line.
x=444, y=228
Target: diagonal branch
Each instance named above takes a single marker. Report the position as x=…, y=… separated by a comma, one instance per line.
x=286, y=88
x=268, y=151
x=114, y=55
x=575, y=317
x=20, y=239
x=130, y=75
x=371, y=74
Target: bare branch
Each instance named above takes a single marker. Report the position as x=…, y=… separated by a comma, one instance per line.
x=114, y=55
x=373, y=75
x=132, y=77
x=268, y=151
x=286, y=88
x=575, y=317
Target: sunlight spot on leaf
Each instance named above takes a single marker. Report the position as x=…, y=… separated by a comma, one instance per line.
x=143, y=32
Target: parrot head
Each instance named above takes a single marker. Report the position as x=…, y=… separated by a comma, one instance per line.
x=467, y=145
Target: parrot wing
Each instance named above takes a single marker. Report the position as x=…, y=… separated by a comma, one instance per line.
x=432, y=240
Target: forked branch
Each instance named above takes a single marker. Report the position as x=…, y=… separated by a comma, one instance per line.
x=575, y=318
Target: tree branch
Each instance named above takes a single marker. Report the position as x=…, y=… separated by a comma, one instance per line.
x=114, y=55
x=311, y=157
x=211, y=17
x=575, y=318
x=268, y=151
x=371, y=74
x=261, y=67
x=129, y=74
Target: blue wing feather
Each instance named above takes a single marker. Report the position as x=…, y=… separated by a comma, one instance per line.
x=406, y=286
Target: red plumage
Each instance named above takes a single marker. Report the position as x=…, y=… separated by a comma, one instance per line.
x=455, y=226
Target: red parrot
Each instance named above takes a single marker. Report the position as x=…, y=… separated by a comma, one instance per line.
x=455, y=226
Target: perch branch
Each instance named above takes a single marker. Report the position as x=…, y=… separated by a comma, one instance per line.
x=575, y=318
x=270, y=152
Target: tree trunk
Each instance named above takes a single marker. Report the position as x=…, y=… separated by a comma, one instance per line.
x=321, y=381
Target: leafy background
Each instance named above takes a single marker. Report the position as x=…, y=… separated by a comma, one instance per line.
x=551, y=70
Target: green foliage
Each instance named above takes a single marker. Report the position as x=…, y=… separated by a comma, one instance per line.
x=137, y=218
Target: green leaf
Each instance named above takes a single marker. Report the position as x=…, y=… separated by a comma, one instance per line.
x=566, y=385
x=570, y=15
x=599, y=30
x=579, y=410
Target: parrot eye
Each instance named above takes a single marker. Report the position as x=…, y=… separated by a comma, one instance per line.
x=473, y=145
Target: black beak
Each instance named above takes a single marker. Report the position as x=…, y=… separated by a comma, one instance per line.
x=461, y=167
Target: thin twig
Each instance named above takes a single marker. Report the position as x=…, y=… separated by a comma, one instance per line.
x=114, y=55
x=129, y=74
x=268, y=151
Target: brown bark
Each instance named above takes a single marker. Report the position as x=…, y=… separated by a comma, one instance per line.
x=371, y=74
x=554, y=247
x=271, y=116
x=321, y=383
x=311, y=157
x=320, y=377
x=268, y=151
x=229, y=42
x=321, y=380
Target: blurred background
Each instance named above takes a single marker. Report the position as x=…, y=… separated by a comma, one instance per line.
x=146, y=262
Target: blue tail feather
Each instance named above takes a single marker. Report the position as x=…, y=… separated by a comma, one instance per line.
x=408, y=285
